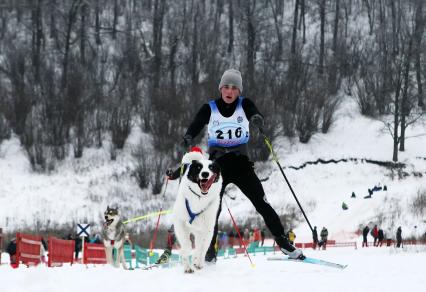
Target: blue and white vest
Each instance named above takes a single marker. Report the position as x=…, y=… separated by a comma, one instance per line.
x=228, y=132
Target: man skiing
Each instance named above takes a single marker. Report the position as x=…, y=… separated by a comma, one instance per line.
x=228, y=119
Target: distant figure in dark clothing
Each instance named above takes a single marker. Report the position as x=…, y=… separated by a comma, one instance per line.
x=364, y=236
x=353, y=195
x=78, y=246
x=324, y=236
x=344, y=206
x=398, y=237
x=381, y=236
x=262, y=236
x=11, y=250
x=315, y=238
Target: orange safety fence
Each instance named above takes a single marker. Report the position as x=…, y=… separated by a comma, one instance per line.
x=94, y=253
x=60, y=251
x=28, y=249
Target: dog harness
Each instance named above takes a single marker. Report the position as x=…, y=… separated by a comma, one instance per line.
x=191, y=214
x=228, y=132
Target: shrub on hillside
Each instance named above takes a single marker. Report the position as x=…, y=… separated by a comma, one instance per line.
x=418, y=206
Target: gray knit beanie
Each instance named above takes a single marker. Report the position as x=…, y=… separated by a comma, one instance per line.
x=232, y=77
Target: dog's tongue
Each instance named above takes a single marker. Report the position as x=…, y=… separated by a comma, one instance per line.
x=205, y=186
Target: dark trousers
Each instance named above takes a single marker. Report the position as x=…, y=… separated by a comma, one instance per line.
x=364, y=241
x=237, y=169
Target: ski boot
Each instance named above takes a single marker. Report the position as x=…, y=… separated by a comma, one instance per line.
x=288, y=249
x=211, y=256
x=164, y=258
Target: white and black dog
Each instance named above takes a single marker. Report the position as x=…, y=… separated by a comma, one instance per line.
x=196, y=208
x=113, y=233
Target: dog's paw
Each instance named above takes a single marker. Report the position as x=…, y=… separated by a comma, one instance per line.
x=189, y=270
x=198, y=266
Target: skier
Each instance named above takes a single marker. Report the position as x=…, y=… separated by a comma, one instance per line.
x=228, y=119
x=364, y=236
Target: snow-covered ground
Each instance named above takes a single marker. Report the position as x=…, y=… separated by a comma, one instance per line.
x=369, y=269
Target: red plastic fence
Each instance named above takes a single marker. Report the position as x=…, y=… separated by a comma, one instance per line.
x=28, y=249
x=94, y=253
x=60, y=251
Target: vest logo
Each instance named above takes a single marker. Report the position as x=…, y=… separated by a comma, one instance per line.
x=240, y=119
x=215, y=123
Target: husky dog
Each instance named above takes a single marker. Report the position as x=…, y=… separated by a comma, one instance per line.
x=196, y=208
x=113, y=234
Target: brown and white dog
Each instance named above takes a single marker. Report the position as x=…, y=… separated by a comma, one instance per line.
x=113, y=233
x=196, y=208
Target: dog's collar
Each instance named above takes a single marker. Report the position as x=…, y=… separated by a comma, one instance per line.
x=194, y=192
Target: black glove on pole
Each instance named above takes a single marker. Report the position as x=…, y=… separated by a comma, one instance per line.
x=274, y=157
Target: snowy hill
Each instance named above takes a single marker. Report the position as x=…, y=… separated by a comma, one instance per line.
x=79, y=190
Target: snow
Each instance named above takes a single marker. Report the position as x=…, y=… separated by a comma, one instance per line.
x=369, y=269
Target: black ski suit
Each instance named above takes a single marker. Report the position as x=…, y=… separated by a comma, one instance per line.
x=236, y=167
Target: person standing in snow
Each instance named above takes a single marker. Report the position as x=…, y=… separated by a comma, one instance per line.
x=291, y=236
x=228, y=119
x=380, y=237
x=398, y=237
x=262, y=236
x=315, y=238
x=364, y=236
x=324, y=238
x=375, y=234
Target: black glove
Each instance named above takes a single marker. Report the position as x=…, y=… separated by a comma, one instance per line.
x=169, y=172
x=187, y=141
x=258, y=121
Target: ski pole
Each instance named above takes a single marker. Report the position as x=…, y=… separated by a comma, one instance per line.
x=151, y=246
x=239, y=235
x=275, y=158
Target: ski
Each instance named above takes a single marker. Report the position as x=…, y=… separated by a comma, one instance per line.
x=163, y=265
x=309, y=260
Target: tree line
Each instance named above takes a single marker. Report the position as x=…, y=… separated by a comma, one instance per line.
x=75, y=74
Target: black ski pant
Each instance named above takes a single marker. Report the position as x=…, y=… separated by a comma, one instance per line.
x=237, y=169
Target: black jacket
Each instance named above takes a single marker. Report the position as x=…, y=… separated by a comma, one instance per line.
x=202, y=118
